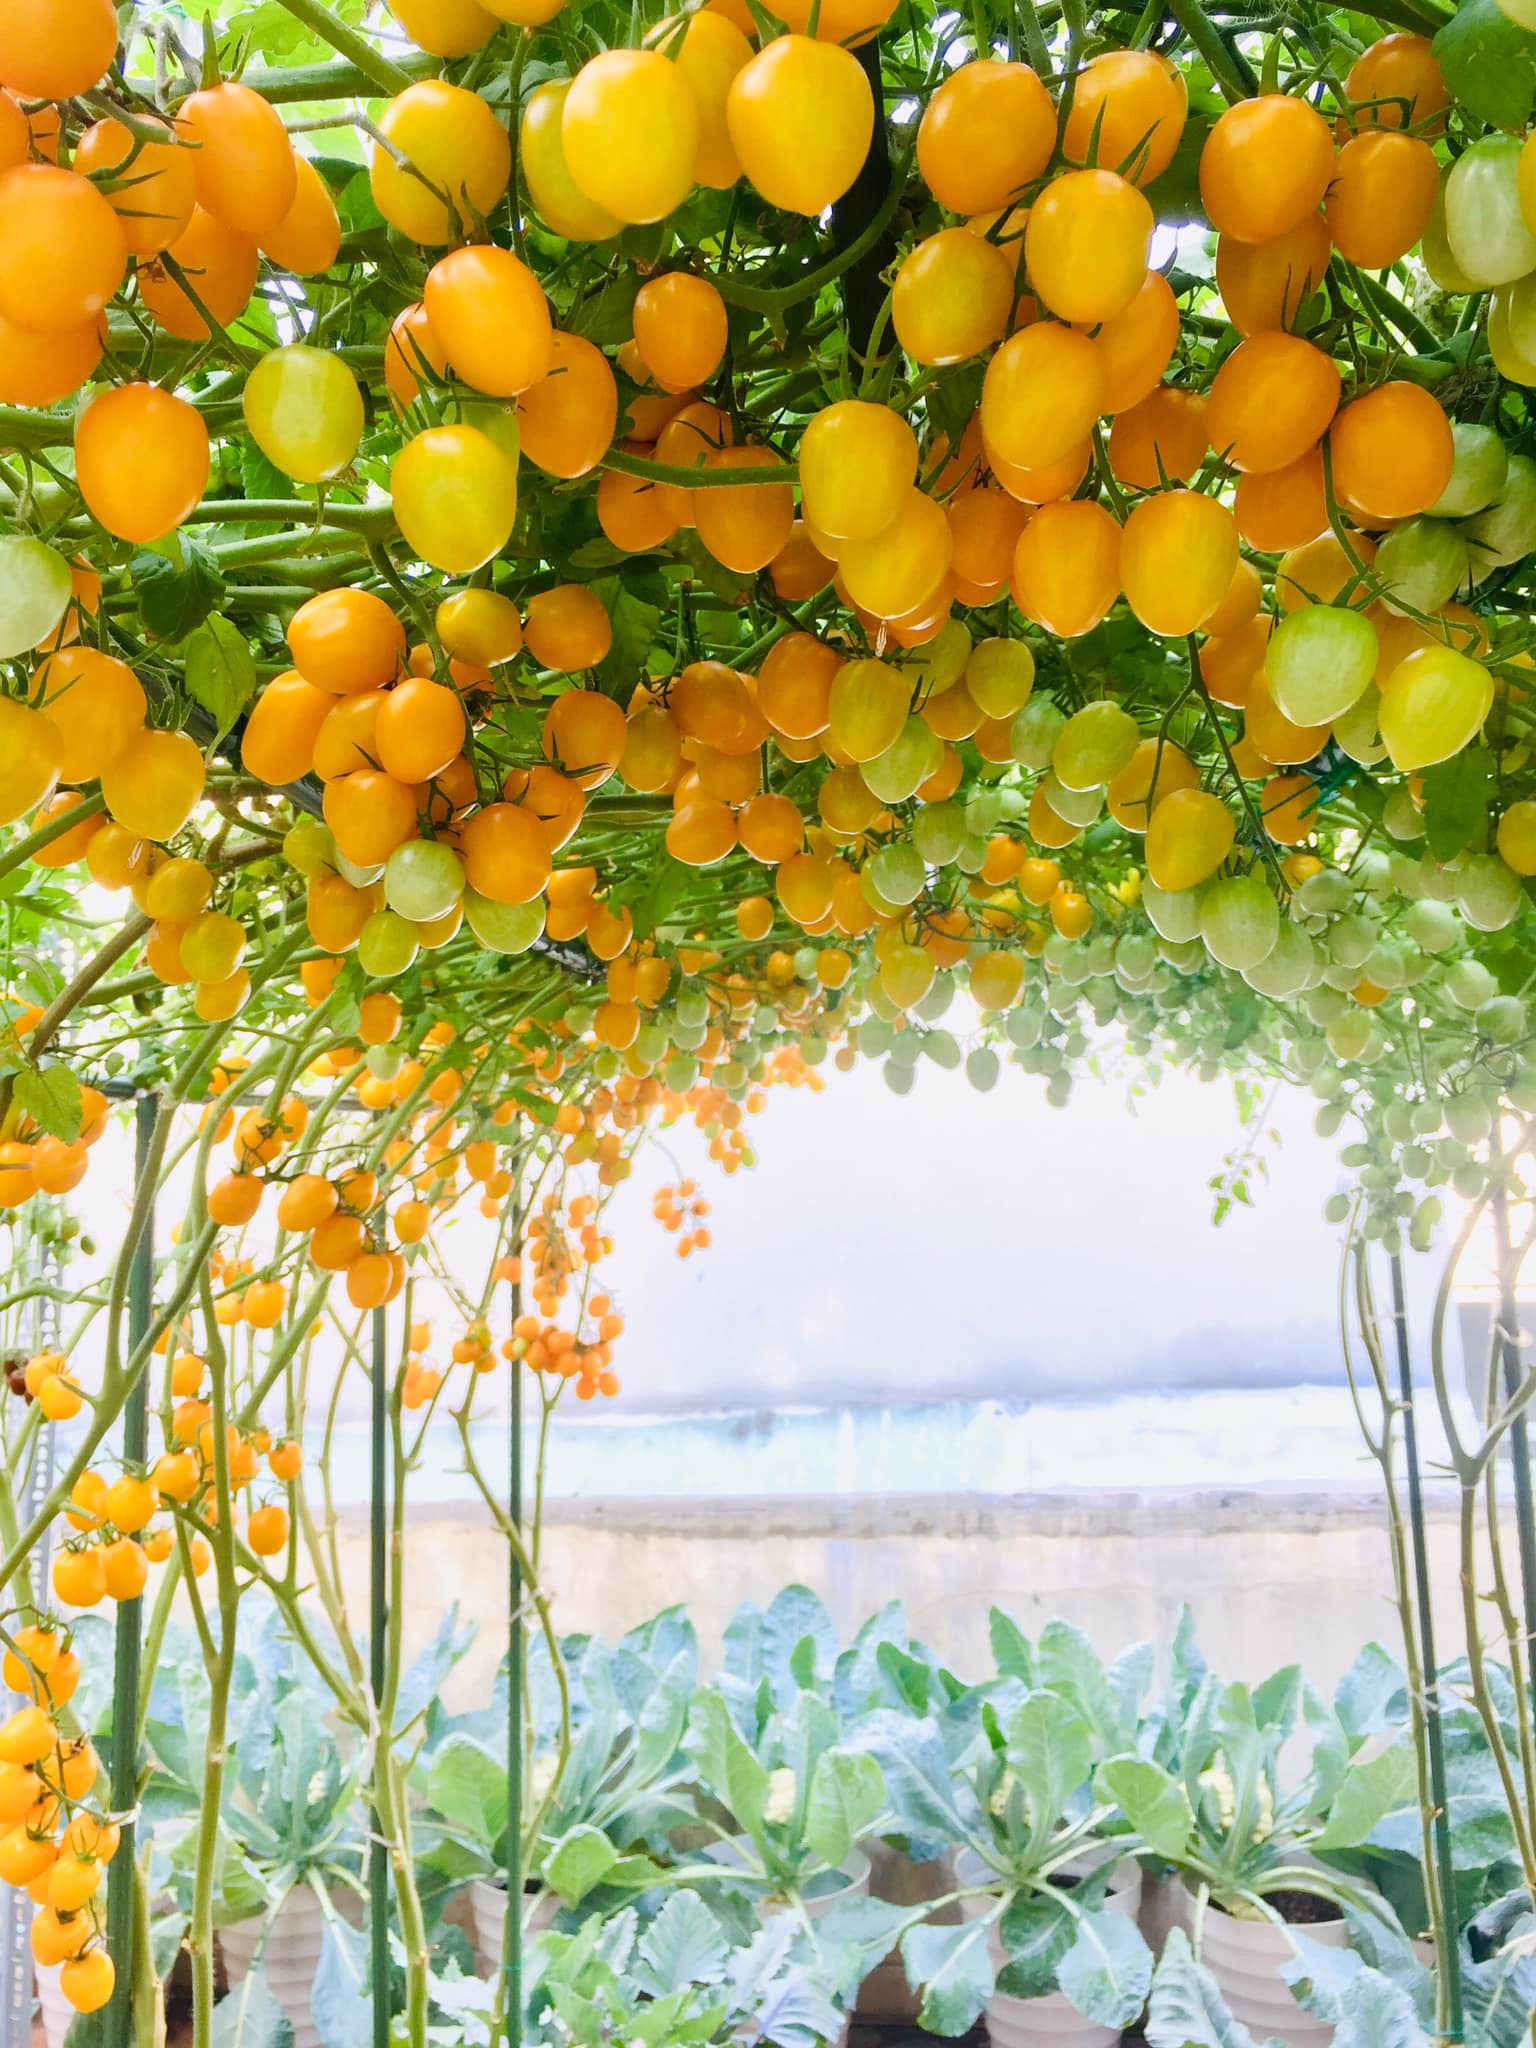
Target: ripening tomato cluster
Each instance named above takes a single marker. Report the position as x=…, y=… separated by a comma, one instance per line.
x=672, y=1206
x=32, y=1162
x=583, y=1354
x=53, y=1844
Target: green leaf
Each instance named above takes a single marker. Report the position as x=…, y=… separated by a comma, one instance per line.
x=579, y=1862
x=339, y=2000
x=1051, y=1750
x=1489, y=63
x=1010, y=1647
x=1036, y=1930
x=260, y=477
x=635, y=621
x=684, y=1944
x=952, y=1966
x=1367, y=1793
x=1107, y=1971
x=1070, y=1665
x=847, y=1798
x=51, y=1097
x=1155, y=1804
x=250, y=2017
x=468, y=1786
x=220, y=671
x=1456, y=801
x=663, y=891
x=1187, y=2009
x=728, y=1768
x=176, y=591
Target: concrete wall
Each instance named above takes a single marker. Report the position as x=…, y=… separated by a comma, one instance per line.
x=1273, y=1579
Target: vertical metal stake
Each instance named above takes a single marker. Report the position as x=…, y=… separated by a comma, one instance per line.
x=16, y=1924
x=378, y=1586
x=1444, y=1875
x=513, y=1963
x=121, y=1875
x=1519, y=1432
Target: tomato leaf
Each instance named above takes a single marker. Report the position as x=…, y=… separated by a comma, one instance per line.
x=1456, y=801
x=177, y=590
x=221, y=672
x=1489, y=63
x=51, y=1097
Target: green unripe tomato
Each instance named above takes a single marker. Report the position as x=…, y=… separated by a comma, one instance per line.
x=1034, y=732
x=1478, y=470
x=504, y=927
x=387, y=945
x=35, y=589
x=938, y=832
x=423, y=879
x=1094, y=745
x=310, y=846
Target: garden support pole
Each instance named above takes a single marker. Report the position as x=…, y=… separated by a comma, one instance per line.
x=16, y=1945
x=514, y=1957
x=378, y=1627
x=121, y=1877
x=1443, y=1877
x=1519, y=1432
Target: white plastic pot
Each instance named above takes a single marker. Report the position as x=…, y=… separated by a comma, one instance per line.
x=57, y=2012
x=1244, y=1956
x=856, y=1872
x=290, y=1955
x=488, y=1913
x=1053, y=2021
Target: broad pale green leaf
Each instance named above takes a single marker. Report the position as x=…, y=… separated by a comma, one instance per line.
x=1368, y=2009
x=1186, y=2010
x=1367, y=1793
x=685, y=1944
x=468, y=1786
x=728, y=1768
x=1155, y=1804
x=1010, y=1647
x=952, y=1966
x=847, y=1797
x=579, y=1861
x=1069, y=1664
x=1037, y=1929
x=340, y=2002
x=1370, y=1694
x=1051, y=1749
x=250, y=2017
x=1107, y=1971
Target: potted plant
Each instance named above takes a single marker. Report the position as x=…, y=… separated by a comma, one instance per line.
x=787, y=1800
x=1249, y=1854
x=292, y=1811
x=1047, y=1876
x=597, y=1811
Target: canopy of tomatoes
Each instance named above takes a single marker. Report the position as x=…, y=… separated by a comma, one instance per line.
x=697, y=536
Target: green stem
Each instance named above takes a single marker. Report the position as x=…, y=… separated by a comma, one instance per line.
x=347, y=43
